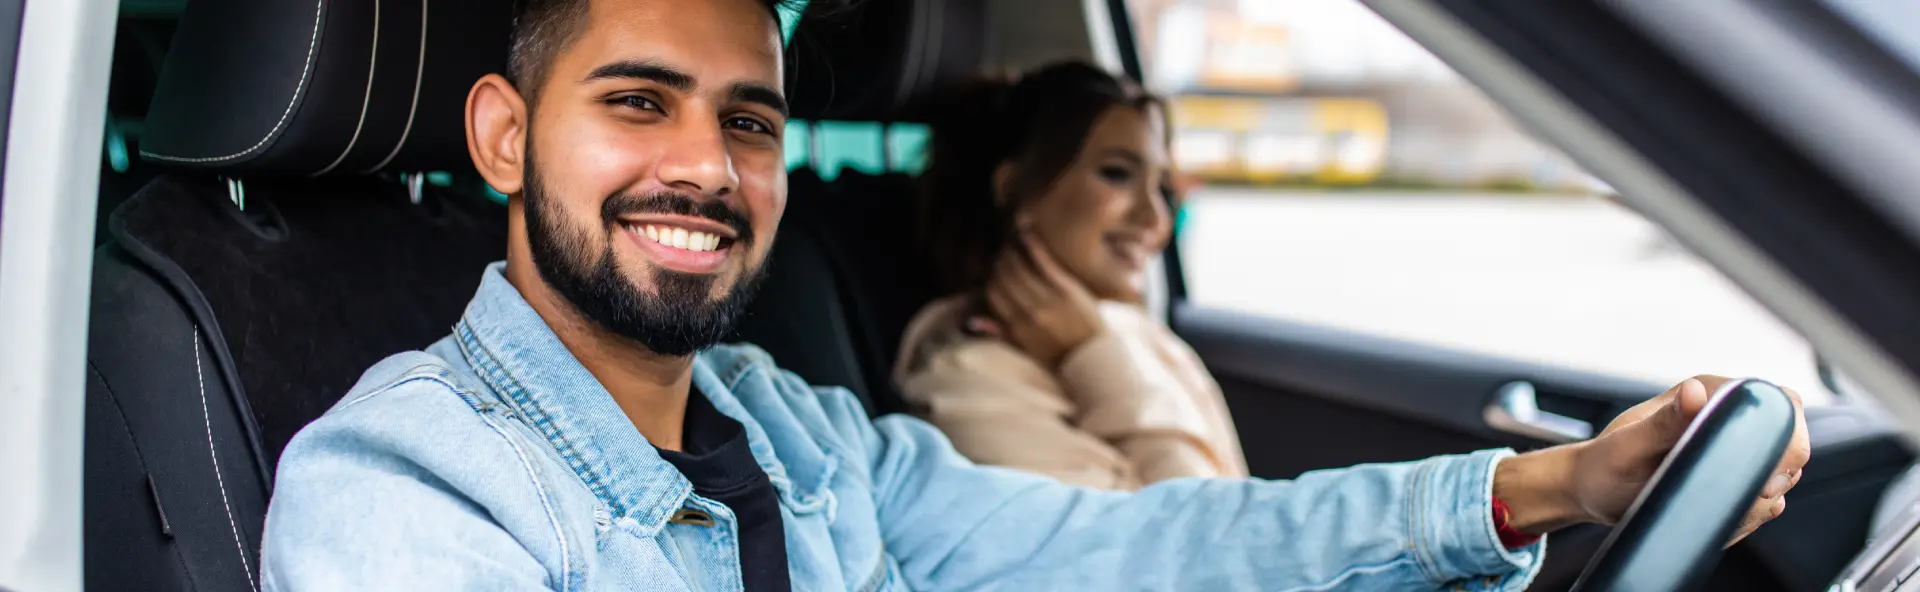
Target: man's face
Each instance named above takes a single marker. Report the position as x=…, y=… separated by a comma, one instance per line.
x=654, y=177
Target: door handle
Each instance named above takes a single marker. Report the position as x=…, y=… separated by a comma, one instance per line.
x=1516, y=410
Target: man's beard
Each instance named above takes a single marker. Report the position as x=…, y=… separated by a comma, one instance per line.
x=680, y=317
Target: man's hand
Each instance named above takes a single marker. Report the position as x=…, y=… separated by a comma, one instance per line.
x=1596, y=480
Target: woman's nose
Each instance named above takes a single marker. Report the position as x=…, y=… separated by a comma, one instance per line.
x=1148, y=209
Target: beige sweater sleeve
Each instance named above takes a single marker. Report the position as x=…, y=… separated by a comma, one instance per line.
x=998, y=408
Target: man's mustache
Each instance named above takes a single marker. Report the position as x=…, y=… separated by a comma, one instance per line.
x=679, y=204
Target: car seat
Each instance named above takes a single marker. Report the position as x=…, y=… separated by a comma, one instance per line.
x=847, y=274
x=290, y=243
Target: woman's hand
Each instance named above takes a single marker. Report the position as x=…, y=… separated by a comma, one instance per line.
x=1597, y=480
x=1036, y=305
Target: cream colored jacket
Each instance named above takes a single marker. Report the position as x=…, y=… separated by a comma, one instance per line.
x=1131, y=406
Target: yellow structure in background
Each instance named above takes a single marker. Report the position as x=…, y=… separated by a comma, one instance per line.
x=1268, y=140
x=1246, y=56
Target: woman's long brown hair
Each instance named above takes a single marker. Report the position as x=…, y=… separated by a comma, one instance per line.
x=1038, y=122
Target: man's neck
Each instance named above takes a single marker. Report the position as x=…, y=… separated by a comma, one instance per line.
x=652, y=389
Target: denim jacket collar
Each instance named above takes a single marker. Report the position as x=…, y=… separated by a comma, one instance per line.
x=511, y=348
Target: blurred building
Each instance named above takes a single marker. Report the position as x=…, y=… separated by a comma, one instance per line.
x=1325, y=92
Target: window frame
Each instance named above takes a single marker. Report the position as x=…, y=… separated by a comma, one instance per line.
x=51, y=181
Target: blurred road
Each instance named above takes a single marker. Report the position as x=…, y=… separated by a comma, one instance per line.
x=1571, y=281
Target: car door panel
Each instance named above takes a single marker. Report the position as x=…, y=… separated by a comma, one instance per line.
x=1307, y=397
x=1435, y=398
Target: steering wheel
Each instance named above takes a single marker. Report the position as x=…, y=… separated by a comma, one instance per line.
x=1675, y=531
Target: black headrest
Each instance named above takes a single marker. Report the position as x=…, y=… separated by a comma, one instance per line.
x=336, y=87
x=875, y=62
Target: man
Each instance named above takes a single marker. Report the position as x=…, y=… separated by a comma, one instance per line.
x=578, y=430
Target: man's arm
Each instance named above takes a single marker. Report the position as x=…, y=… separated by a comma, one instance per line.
x=955, y=525
x=370, y=497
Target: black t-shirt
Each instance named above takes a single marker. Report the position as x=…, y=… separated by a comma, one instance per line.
x=722, y=469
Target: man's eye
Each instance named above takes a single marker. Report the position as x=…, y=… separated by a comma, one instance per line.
x=748, y=125
x=636, y=102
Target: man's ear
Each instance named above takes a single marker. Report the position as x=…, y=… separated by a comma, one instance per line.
x=496, y=133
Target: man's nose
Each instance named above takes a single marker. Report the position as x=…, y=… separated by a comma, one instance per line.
x=697, y=160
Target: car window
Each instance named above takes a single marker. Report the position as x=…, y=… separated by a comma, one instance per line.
x=866, y=146
x=1354, y=181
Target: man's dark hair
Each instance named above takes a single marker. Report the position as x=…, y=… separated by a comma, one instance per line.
x=542, y=28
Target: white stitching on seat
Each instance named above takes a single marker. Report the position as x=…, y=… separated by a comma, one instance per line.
x=305, y=70
x=366, y=99
x=419, y=72
x=204, y=416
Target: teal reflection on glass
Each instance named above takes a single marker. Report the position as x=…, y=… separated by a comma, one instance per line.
x=789, y=17
x=865, y=146
x=852, y=145
x=117, y=147
x=798, y=141
x=907, y=144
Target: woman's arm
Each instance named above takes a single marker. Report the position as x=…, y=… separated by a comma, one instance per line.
x=1104, y=360
x=1000, y=409
x=1130, y=397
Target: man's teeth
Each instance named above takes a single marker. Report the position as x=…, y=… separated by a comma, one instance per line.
x=679, y=238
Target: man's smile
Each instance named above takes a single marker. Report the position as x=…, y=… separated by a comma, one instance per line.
x=686, y=244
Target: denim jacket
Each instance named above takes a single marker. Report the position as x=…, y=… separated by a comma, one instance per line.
x=495, y=461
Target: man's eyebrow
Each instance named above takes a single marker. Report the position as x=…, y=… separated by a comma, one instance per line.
x=753, y=92
x=748, y=92
x=644, y=70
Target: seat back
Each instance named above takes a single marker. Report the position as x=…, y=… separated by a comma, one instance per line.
x=801, y=313
x=843, y=281
x=280, y=254
x=846, y=275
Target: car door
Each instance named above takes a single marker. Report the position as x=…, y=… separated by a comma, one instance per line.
x=1452, y=283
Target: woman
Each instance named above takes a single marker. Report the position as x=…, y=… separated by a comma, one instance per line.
x=1045, y=201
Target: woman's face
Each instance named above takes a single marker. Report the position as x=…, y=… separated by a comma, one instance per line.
x=1106, y=218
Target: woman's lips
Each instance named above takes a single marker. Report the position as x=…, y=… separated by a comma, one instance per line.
x=1131, y=252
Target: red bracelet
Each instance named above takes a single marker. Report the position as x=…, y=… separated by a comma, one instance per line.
x=1510, y=537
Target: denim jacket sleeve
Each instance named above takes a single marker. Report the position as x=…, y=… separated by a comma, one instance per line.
x=371, y=463
x=1408, y=526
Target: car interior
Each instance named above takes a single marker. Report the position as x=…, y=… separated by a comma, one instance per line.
x=286, y=198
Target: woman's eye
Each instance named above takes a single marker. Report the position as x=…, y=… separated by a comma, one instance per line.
x=1116, y=174
x=636, y=102
x=748, y=125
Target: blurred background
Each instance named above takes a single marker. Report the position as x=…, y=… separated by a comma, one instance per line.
x=1353, y=180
